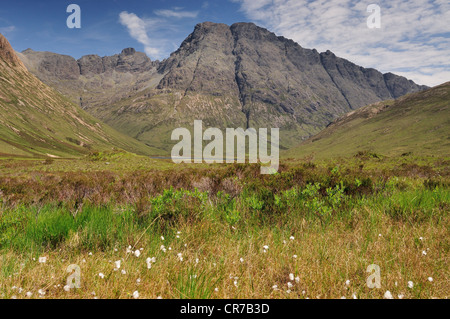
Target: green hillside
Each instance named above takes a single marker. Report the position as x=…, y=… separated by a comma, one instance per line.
x=418, y=123
x=37, y=121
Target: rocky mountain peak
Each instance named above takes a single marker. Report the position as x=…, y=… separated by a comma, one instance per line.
x=128, y=51
x=8, y=54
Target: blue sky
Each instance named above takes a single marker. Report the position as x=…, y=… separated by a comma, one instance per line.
x=414, y=38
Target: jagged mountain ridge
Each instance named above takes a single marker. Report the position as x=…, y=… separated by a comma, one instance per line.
x=36, y=121
x=229, y=76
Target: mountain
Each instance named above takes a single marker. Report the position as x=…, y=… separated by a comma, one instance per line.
x=228, y=76
x=417, y=123
x=36, y=121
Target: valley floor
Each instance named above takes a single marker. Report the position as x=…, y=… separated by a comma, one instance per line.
x=310, y=231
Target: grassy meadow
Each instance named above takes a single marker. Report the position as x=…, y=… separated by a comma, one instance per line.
x=224, y=231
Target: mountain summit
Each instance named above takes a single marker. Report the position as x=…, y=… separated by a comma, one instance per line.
x=228, y=76
x=37, y=121
x=8, y=54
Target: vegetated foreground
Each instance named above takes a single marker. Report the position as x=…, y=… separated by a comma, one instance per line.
x=310, y=231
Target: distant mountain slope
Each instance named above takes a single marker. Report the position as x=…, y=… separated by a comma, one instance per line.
x=37, y=121
x=418, y=123
x=228, y=76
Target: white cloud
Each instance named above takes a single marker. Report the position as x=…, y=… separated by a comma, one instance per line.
x=137, y=29
x=6, y=30
x=414, y=39
x=176, y=13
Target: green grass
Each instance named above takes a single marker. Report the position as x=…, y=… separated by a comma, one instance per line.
x=416, y=124
x=343, y=218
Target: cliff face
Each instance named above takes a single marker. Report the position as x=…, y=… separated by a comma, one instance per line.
x=239, y=75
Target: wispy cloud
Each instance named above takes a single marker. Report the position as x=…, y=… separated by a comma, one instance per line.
x=6, y=30
x=414, y=39
x=137, y=29
x=159, y=34
x=176, y=13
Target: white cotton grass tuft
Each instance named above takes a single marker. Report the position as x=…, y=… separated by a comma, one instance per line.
x=410, y=285
x=291, y=277
x=430, y=279
x=388, y=295
x=41, y=292
x=347, y=283
x=117, y=264
x=29, y=294
x=136, y=294
x=163, y=248
x=137, y=253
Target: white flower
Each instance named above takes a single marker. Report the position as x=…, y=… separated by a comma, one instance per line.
x=274, y=287
x=159, y=297
x=123, y=272
x=117, y=264
x=343, y=297
x=401, y=296
x=292, y=238
x=291, y=277
x=90, y=254
x=297, y=279
x=410, y=285
x=235, y=283
x=421, y=238
x=41, y=292
x=136, y=294
x=196, y=260
x=295, y=256
x=149, y=263
x=42, y=260
x=101, y=275
x=67, y=288
x=162, y=237
x=180, y=256
x=430, y=279
x=424, y=253
x=241, y=260
x=137, y=253
x=347, y=283
x=138, y=281
x=163, y=248
x=216, y=289
x=29, y=294
x=289, y=284
x=354, y=296
x=129, y=250
x=288, y=291
x=388, y=295
x=266, y=247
